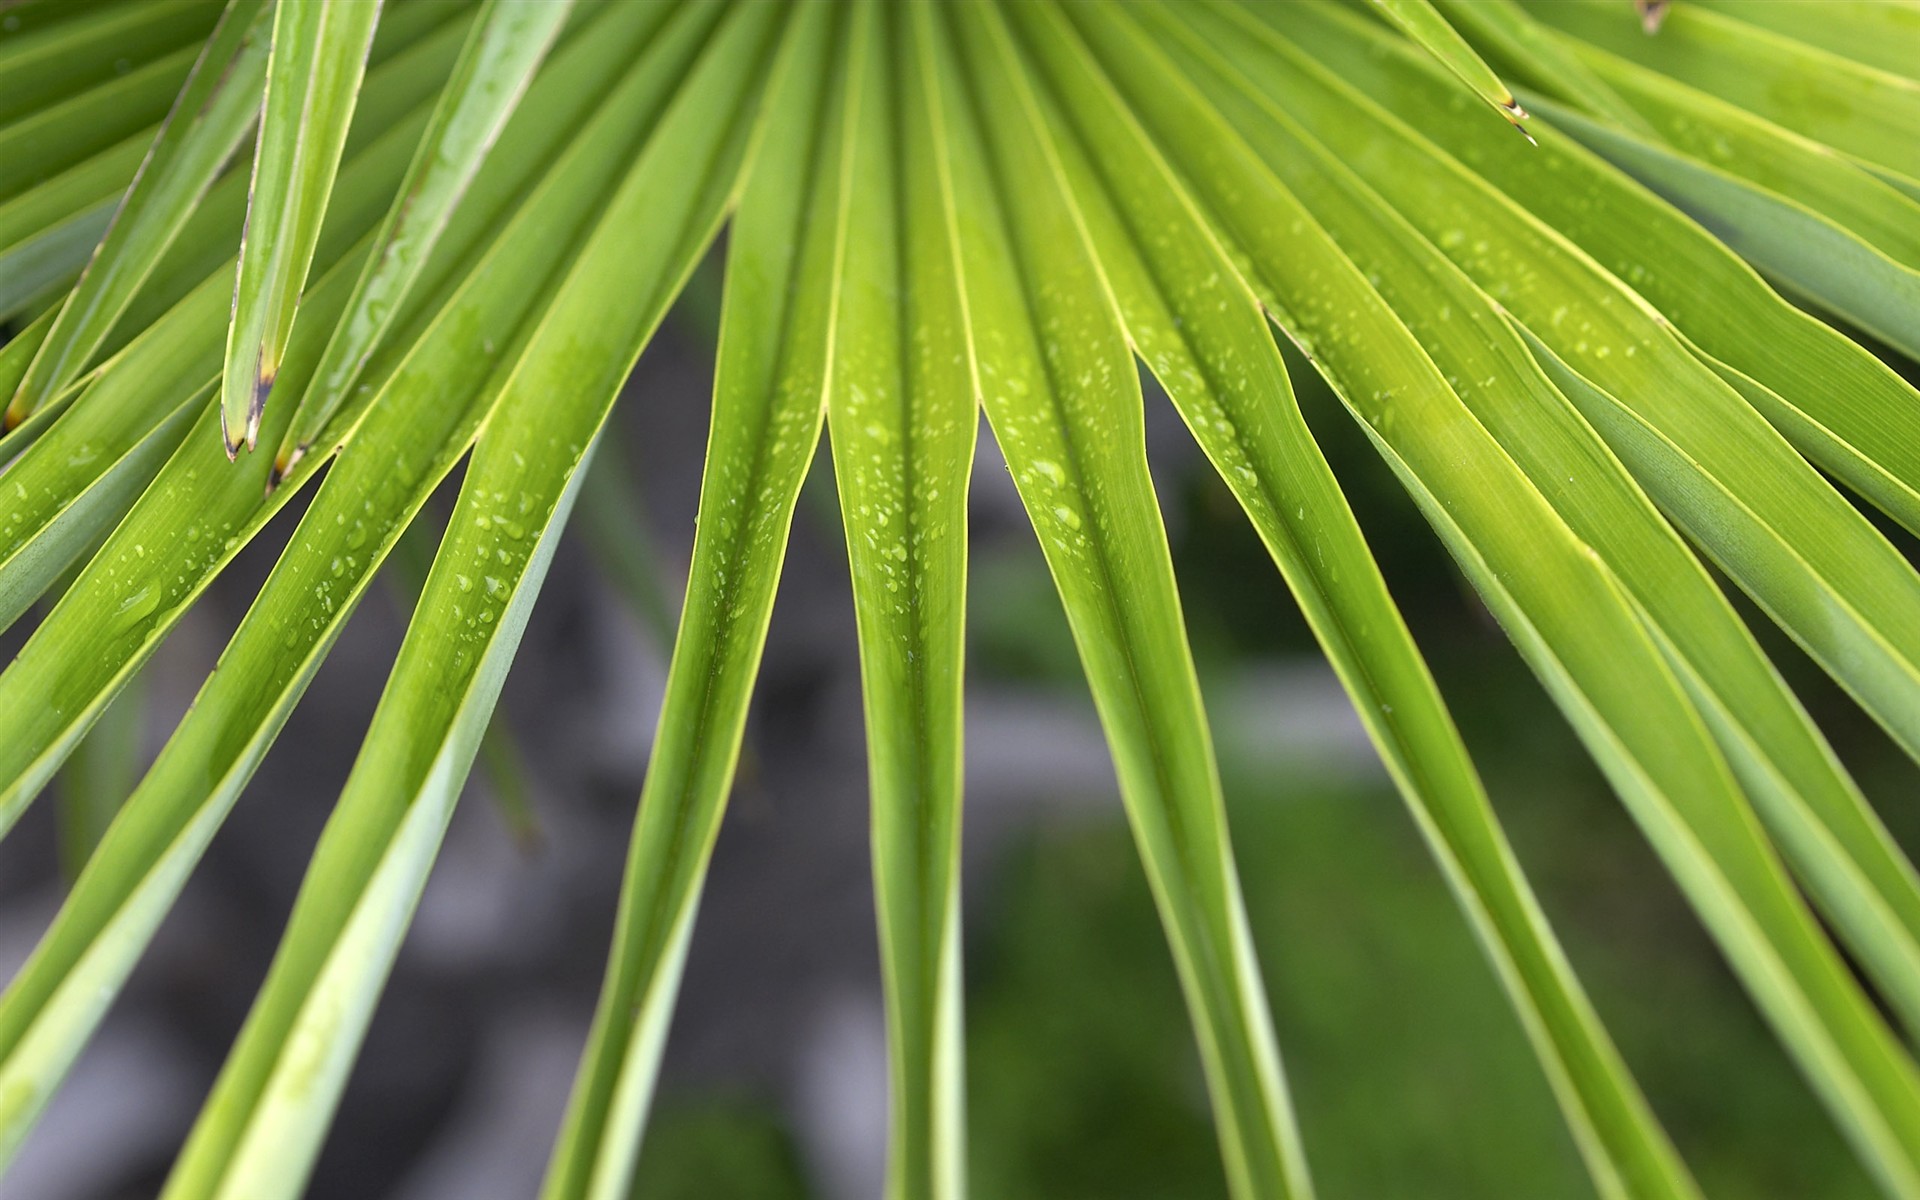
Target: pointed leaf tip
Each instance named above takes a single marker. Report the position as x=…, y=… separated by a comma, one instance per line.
x=315, y=65
x=1421, y=22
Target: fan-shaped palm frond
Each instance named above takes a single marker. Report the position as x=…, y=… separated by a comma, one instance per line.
x=1610, y=362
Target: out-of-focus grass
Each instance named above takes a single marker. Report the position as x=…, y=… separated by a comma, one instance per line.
x=718, y=1149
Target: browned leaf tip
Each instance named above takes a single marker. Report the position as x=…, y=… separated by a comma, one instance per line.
x=1516, y=117
x=257, y=406
x=283, y=466
x=231, y=439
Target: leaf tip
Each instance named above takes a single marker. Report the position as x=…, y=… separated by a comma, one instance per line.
x=283, y=465
x=1516, y=117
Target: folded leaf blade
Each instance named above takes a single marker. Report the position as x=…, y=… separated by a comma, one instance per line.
x=1062, y=395
x=1870, y=114
x=317, y=59
x=1212, y=350
x=428, y=409
x=1422, y=22
x=902, y=417
x=212, y=114
x=262, y=1127
x=778, y=320
x=1842, y=407
x=1524, y=559
x=504, y=47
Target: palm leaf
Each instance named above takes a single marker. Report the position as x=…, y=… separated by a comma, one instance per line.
x=1862, y=878
x=262, y=1126
x=38, y=147
x=120, y=605
x=1871, y=115
x=1536, y=56
x=319, y=54
x=101, y=772
x=1841, y=406
x=1061, y=394
x=1878, y=33
x=58, y=49
x=1202, y=357
x=1705, y=456
x=367, y=501
x=1795, y=208
x=1419, y=20
x=777, y=327
x=902, y=414
x=504, y=48
x=213, y=112
x=1697, y=820
x=1589, y=396
x=46, y=233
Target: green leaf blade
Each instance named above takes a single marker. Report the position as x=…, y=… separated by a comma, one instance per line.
x=123, y=604
x=1712, y=463
x=769, y=401
x=1202, y=349
x=428, y=409
x=902, y=418
x=317, y=59
x=504, y=47
x=1710, y=843
x=1842, y=407
x=1834, y=840
x=45, y=143
x=1422, y=22
x=215, y=109
x=1876, y=33
x=42, y=64
x=1062, y=396
x=1536, y=56
x=1872, y=115
x=276, y=1095
x=1846, y=248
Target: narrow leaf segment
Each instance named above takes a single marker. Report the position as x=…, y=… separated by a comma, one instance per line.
x=1062, y=395
x=1201, y=329
x=784, y=254
x=318, y=57
x=219, y=104
x=902, y=415
x=504, y=47
x=262, y=1127
x=1422, y=22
